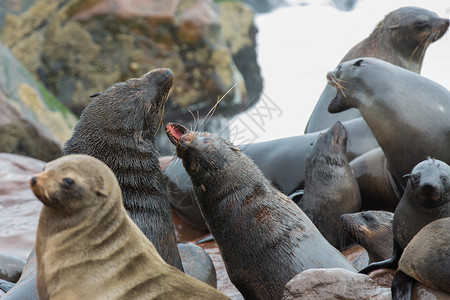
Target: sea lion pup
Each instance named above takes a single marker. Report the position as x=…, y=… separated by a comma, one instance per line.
x=371, y=229
x=391, y=100
x=88, y=247
x=330, y=187
x=265, y=239
x=425, y=259
x=425, y=200
x=401, y=38
x=119, y=127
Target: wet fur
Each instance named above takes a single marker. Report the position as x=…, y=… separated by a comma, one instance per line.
x=119, y=127
x=264, y=238
x=330, y=186
x=372, y=230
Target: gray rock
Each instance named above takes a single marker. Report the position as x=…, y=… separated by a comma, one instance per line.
x=334, y=284
x=32, y=121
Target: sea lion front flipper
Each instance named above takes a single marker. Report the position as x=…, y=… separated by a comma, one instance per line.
x=391, y=263
x=402, y=286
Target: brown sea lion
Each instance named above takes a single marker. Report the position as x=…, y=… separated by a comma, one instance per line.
x=371, y=229
x=119, y=127
x=265, y=239
x=426, y=199
x=330, y=187
x=426, y=259
x=88, y=247
x=391, y=101
x=401, y=38
x=282, y=162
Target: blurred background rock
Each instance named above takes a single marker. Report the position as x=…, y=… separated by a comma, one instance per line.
x=79, y=47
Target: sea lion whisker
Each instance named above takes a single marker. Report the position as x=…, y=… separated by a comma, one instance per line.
x=422, y=46
x=337, y=83
x=171, y=168
x=213, y=109
x=193, y=118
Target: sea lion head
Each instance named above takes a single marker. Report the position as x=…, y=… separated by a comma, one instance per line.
x=201, y=152
x=346, y=73
x=430, y=183
x=134, y=107
x=414, y=28
x=74, y=182
x=330, y=147
x=364, y=225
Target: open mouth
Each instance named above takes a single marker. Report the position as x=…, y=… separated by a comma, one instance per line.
x=175, y=131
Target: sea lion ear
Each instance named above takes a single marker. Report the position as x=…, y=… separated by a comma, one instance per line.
x=100, y=192
x=396, y=26
x=358, y=63
x=234, y=148
x=95, y=95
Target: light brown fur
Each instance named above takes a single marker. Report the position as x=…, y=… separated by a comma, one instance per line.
x=427, y=256
x=89, y=248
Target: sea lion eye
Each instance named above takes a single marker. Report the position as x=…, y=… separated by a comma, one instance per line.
x=421, y=25
x=415, y=178
x=444, y=178
x=68, y=181
x=207, y=140
x=367, y=218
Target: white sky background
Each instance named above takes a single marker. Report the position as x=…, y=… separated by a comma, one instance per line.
x=298, y=45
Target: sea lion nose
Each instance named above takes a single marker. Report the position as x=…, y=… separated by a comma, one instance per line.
x=168, y=73
x=33, y=180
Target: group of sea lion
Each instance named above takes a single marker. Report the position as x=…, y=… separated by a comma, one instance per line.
x=106, y=231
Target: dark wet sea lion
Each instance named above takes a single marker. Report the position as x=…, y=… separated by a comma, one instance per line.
x=119, y=127
x=401, y=38
x=378, y=188
x=426, y=259
x=330, y=187
x=426, y=199
x=371, y=229
x=26, y=287
x=88, y=247
x=10, y=267
x=282, y=162
x=264, y=238
x=391, y=101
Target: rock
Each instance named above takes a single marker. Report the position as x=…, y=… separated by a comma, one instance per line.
x=32, y=121
x=334, y=284
x=240, y=36
x=19, y=213
x=83, y=46
x=11, y=267
x=383, y=277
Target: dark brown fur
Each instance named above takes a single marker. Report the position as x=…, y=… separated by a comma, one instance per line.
x=264, y=238
x=331, y=189
x=88, y=247
x=372, y=229
x=119, y=127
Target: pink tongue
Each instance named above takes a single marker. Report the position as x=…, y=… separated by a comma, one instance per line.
x=176, y=133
